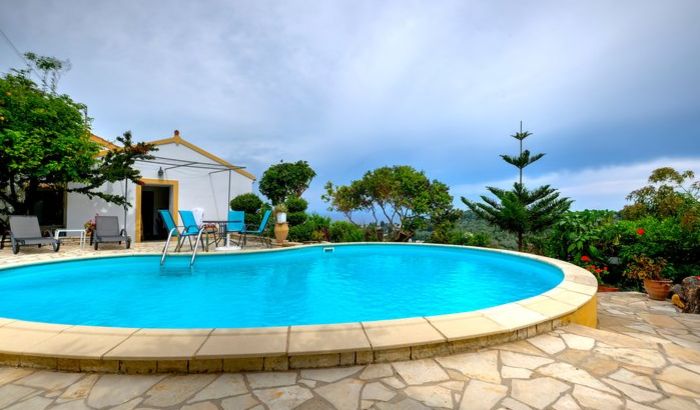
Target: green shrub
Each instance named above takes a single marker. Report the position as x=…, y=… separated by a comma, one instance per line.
x=296, y=204
x=248, y=203
x=470, y=239
x=579, y=233
x=343, y=231
x=315, y=228
x=296, y=218
x=251, y=204
x=661, y=238
x=296, y=214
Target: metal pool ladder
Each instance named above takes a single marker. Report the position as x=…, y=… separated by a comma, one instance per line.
x=179, y=245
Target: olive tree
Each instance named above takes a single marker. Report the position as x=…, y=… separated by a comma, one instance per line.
x=401, y=197
x=46, y=144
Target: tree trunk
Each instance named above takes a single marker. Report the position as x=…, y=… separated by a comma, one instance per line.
x=520, y=241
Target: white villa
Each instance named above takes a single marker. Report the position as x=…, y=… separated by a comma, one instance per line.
x=182, y=176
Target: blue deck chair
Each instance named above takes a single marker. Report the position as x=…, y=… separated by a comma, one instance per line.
x=189, y=229
x=168, y=221
x=236, y=222
x=260, y=232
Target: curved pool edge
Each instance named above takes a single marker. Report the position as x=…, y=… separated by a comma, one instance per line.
x=138, y=351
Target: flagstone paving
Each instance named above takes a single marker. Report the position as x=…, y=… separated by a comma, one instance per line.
x=645, y=355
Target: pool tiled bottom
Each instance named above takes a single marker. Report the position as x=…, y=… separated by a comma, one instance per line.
x=644, y=355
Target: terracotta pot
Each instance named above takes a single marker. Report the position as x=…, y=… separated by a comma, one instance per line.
x=607, y=288
x=281, y=232
x=658, y=289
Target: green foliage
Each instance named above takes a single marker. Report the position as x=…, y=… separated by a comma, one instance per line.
x=580, y=233
x=343, y=231
x=660, y=238
x=296, y=204
x=296, y=208
x=251, y=204
x=465, y=238
x=400, y=196
x=248, y=203
x=315, y=228
x=296, y=218
x=643, y=267
x=116, y=165
x=285, y=179
x=46, y=143
x=669, y=193
x=50, y=69
x=520, y=210
x=666, y=224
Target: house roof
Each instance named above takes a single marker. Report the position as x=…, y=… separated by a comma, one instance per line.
x=177, y=139
x=102, y=142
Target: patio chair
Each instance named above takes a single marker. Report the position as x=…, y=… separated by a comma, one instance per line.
x=24, y=230
x=107, y=231
x=236, y=222
x=189, y=229
x=169, y=221
x=260, y=232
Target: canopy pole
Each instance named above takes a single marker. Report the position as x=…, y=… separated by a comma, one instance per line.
x=126, y=198
x=228, y=197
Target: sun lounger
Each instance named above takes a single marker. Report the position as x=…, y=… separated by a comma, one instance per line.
x=107, y=231
x=24, y=230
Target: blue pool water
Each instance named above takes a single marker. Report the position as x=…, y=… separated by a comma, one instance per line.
x=293, y=287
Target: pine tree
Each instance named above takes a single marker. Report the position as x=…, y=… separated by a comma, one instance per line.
x=519, y=210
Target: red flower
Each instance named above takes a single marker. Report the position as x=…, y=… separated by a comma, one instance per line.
x=585, y=258
x=640, y=231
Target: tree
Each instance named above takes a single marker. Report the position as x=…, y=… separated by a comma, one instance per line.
x=669, y=193
x=296, y=210
x=46, y=145
x=251, y=204
x=248, y=203
x=401, y=197
x=49, y=69
x=286, y=179
x=519, y=210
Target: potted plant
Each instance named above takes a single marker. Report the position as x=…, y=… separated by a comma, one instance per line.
x=649, y=270
x=89, y=226
x=281, y=213
x=281, y=227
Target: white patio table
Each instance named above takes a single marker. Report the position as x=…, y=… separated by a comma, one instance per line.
x=57, y=233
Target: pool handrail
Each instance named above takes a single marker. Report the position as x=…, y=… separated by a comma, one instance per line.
x=189, y=229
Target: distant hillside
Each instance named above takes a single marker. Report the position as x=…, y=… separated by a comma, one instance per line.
x=471, y=224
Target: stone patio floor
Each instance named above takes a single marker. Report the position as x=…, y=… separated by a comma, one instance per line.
x=645, y=355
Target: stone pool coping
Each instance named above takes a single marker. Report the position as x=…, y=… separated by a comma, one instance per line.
x=134, y=350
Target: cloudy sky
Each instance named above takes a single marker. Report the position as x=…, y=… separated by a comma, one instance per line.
x=610, y=89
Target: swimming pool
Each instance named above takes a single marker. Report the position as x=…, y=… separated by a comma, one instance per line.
x=309, y=285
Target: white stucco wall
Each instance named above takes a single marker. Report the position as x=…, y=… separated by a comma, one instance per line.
x=197, y=189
